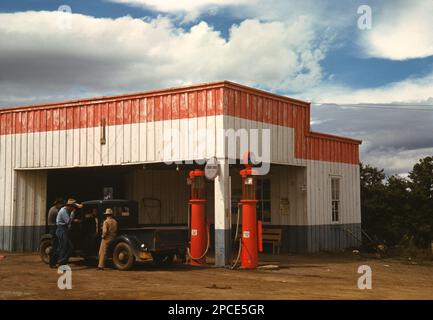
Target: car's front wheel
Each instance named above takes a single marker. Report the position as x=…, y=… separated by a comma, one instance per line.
x=123, y=256
x=45, y=250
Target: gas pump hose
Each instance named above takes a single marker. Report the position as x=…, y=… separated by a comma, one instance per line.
x=236, y=238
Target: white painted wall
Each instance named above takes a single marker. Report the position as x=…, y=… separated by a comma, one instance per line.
x=319, y=175
x=125, y=144
x=143, y=143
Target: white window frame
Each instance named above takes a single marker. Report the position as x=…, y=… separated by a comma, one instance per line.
x=337, y=199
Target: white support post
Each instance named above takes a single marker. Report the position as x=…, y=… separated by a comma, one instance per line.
x=222, y=215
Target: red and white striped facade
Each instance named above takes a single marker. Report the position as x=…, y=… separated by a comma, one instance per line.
x=35, y=139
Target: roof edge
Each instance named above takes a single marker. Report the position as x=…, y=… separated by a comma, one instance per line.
x=141, y=94
x=333, y=137
x=231, y=84
x=155, y=92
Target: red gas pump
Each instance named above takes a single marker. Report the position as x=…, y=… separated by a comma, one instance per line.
x=198, y=232
x=250, y=232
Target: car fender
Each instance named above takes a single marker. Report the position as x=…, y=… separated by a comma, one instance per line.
x=43, y=238
x=46, y=236
x=132, y=241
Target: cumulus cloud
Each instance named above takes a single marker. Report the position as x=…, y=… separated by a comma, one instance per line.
x=411, y=90
x=281, y=50
x=401, y=30
x=190, y=9
x=41, y=57
x=396, y=161
x=394, y=137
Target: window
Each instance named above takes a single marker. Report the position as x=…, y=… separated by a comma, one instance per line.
x=335, y=199
x=263, y=195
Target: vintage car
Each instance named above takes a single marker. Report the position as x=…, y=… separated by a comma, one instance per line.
x=134, y=242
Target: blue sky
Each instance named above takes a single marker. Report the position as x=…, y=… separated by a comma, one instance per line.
x=344, y=63
x=303, y=48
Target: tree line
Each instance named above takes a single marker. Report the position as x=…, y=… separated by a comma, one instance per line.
x=398, y=211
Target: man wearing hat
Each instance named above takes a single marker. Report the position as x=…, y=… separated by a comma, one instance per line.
x=109, y=232
x=64, y=221
x=52, y=214
x=51, y=221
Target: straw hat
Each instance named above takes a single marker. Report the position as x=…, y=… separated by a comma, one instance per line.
x=108, y=212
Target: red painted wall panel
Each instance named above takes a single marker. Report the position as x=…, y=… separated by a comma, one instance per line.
x=202, y=100
x=219, y=105
x=210, y=103
x=166, y=107
x=192, y=105
x=142, y=110
x=175, y=106
x=90, y=116
x=201, y=103
x=127, y=114
x=183, y=106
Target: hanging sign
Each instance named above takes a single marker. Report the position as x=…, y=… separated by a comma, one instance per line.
x=211, y=168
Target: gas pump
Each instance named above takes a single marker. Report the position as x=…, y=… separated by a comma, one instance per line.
x=251, y=228
x=199, y=237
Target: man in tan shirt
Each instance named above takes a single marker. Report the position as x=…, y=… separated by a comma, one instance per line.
x=109, y=232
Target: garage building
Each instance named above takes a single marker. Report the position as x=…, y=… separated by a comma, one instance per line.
x=81, y=148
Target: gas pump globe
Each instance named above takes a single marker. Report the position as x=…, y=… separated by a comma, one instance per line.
x=248, y=187
x=198, y=234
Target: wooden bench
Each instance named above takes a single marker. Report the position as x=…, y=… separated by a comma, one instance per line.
x=273, y=236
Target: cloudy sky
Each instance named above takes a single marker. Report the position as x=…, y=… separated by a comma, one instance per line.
x=375, y=84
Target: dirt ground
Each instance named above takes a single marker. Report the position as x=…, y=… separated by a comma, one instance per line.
x=321, y=276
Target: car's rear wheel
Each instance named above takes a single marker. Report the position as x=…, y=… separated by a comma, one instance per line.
x=45, y=250
x=123, y=256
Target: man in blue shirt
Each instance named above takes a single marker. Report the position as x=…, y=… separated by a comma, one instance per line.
x=63, y=221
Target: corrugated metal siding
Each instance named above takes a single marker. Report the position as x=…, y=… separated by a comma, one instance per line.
x=319, y=175
x=22, y=210
x=68, y=135
x=29, y=212
x=282, y=140
x=7, y=187
x=287, y=182
x=117, y=111
x=67, y=123
x=269, y=111
x=129, y=143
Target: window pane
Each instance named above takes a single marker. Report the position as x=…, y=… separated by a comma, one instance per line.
x=258, y=189
x=266, y=189
x=335, y=188
x=266, y=211
x=335, y=211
